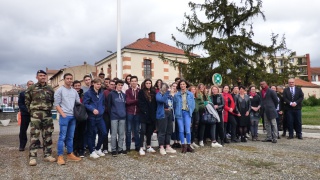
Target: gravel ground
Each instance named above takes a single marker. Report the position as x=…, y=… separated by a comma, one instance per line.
x=288, y=159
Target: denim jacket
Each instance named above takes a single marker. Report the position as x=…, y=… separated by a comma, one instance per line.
x=162, y=100
x=177, y=103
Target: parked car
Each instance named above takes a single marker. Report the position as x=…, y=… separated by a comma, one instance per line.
x=8, y=109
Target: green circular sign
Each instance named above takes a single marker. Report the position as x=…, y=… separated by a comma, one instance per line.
x=217, y=79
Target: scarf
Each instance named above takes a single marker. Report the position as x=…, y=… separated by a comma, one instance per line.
x=252, y=94
x=264, y=91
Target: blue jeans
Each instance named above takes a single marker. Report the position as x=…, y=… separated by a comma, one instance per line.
x=184, y=124
x=132, y=125
x=67, y=126
x=93, y=124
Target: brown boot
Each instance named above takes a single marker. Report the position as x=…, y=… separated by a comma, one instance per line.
x=61, y=160
x=183, y=148
x=72, y=157
x=189, y=149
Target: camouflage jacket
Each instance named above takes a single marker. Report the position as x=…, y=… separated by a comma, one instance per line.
x=39, y=97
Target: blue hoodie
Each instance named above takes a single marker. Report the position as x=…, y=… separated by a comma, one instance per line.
x=93, y=100
x=116, y=103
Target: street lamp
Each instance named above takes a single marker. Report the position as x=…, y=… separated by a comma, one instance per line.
x=74, y=74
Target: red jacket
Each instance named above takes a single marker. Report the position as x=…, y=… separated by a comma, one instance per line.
x=106, y=93
x=226, y=97
x=132, y=101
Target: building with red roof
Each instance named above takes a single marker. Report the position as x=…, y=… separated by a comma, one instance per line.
x=141, y=58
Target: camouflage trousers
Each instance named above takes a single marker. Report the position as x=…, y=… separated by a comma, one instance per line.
x=41, y=121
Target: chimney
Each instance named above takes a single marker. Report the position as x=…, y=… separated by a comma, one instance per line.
x=152, y=36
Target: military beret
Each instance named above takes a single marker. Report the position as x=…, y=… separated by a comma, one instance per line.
x=41, y=71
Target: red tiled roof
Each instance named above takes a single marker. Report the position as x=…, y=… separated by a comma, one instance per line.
x=51, y=71
x=315, y=70
x=302, y=83
x=146, y=44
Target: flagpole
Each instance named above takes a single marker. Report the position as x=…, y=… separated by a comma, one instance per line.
x=119, y=61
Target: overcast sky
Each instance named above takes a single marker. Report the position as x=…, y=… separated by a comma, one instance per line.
x=53, y=33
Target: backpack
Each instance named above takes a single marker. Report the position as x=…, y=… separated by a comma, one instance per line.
x=79, y=111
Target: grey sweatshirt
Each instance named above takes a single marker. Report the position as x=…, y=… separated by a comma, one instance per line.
x=66, y=98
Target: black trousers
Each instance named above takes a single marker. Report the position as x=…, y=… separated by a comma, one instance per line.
x=146, y=129
x=25, y=120
x=233, y=125
x=79, y=132
x=220, y=129
x=195, y=126
x=107, y=121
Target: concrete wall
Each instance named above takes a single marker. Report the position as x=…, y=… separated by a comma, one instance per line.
x=311, y=92
x=12, y=116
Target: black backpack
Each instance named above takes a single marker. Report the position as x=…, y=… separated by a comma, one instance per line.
x=80, y=112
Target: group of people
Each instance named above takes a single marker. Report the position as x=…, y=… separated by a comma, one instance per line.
x=130, y=112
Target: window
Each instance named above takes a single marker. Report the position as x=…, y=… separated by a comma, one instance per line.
x=314, y=77
x=280, y=63
x=147, y=68
x=291, y=60
x=271, y=70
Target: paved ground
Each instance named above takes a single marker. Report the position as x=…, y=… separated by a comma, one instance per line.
x=288, y=159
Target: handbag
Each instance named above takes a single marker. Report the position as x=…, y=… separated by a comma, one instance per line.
x=208, y=118
x=79, y=111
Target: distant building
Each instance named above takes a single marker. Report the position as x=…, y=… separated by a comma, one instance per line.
x=302, y=62
x=315, y=75
x=56, y=80
x=308, y=88
x=50, y=73
x=141, y=58
x=9, y=95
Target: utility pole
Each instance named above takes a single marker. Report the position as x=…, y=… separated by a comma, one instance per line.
x=119, y=58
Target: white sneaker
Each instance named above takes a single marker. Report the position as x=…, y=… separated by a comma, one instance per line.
x=194, y=145
x=201, y=144
x=150, y=150
x=100, y=153
x=141, y=152
x=154, y=137
x=170, y=150
x=215, y=144
x=162, y=151
x=94, y=155
x=105, y=151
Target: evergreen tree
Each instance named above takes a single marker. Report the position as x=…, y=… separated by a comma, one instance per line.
x=226, y=37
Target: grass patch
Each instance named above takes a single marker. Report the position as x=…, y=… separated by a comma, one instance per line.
x=311, y=115
x=259, y=163
x=246, y=148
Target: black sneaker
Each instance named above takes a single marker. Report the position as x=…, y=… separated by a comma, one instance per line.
x=267, y=140
x=114, y=153
x=274, y=140
x=123, y=152
x=81, y=153
x=128, y=149
x=137, y=149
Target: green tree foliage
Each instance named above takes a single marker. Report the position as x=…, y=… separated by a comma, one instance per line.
x=225, y=35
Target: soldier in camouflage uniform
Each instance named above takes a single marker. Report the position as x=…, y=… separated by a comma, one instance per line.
x=39, y=101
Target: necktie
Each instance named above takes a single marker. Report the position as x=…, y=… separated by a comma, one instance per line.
x=292, y=94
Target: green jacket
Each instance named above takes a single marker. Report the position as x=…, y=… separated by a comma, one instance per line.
x=39, y=97
x=199, y=103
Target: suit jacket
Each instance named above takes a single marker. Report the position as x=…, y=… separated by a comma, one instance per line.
x=22, y=105
x=298, y=98
x=269, y=104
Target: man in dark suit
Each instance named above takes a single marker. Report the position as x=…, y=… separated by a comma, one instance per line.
x=269, y=103
x=293, y=97
x=25, y=119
